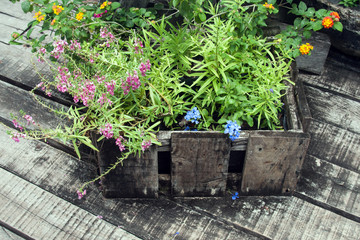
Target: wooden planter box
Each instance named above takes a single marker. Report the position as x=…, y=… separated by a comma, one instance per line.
x=191, y=164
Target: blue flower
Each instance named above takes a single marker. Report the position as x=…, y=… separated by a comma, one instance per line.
x=271, y=90
x=193, y=115
x=187, y=128
x=232, y=129
x=235, y=196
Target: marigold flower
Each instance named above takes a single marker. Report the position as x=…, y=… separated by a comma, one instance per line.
x=305, y=48
x=335, y=16
x=327, y=22
x=39, y=17
x=79, y=16
x=57, y=9
x=267, y=5
x=53, y=22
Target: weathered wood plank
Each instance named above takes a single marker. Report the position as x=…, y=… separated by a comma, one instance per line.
x=334, y=109
x=341, y=74
x=136, y=177
x=16, y=11
x=61, y=175
x=336, y=145
x=273, y=162
x=17, y=211
x=200, y=163
x=280, y=217
x=330, y=184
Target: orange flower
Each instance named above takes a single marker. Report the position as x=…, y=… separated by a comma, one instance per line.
x=39, y=17
x=103, y=5
x=327, y=22
x=305, y=48
x=53, y=22
x=57, y=9
x=335, y=16
x=268, y=5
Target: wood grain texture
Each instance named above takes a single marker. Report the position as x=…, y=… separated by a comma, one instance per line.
x=61, y=175
x=136, y=177
x=334, y=109
x=273, y=162
x=330, y=184
x=42, y=215
x=199, y=163
x=336, y=145
x=280, y=217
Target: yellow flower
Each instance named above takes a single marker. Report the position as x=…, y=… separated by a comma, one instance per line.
x=57, y=9
x=39, y=17
x=327, y=22
x=79, y=16
x=311, y=19
x=103, y=5
x=305, y=48
x=53, y=22
x=268, y=5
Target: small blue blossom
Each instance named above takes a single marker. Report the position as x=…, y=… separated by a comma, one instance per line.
x=232, y=129
x=235, y=196
x=193, y=115
x=187, y=128
x=271, y=90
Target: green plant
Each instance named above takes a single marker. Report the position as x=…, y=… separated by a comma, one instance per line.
x=350, y=3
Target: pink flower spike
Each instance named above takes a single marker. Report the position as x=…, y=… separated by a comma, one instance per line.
x=145, y=145
x=81, y=194
x=99, y=217
x=29, y=119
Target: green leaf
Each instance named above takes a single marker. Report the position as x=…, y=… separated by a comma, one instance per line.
x=25, y=6
x=15, y=43
x=76, y=148
x=317, y=26
x=115, y=5
x=338, y=26
x=307, y=34
x=29, y=32
x=302, y=7
x=202, y=17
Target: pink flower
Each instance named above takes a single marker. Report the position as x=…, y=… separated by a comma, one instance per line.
x=120, y=144
x=59, y=48
x=145, y=145
x=110, y=87
x=145, y=67
x=99, y=217
x=104, y=99
x=29, y=119
x=131, y=81
x=138, y=45
x=74, y=45
x=81, y=194
x=107, y=131
x=42, y=50
x=17, y=125
x=16, y=135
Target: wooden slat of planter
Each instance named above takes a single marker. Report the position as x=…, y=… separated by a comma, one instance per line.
x=199, y=163
x=273, y=162
x=302, y=106
x=137, y=177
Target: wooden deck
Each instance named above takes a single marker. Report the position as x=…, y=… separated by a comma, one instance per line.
x=38, y=184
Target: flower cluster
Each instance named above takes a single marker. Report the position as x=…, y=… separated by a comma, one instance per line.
x=79, y=16
x=104, y=4
x=267, y=5
x=145, y=145
x=104, y=33
x=57, y=9
x=138, y=45
x=232, y=129
x=132, y=82
x=305, y=48
x=119, y=142
x=16, y=135
x=107, y=131
x=87, y=91
x=63, y=79
x=81, y=194
x=100, y=14
x=328, y=22
x=29, y=119
x=74, y=44
x=17, y=125
x=145, y=67
x=110, y=86
x=40, y=17
x=193, y=115
x=103, y=99
x=59, y=48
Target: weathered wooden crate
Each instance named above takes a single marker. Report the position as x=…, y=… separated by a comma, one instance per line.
x=190, y=164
